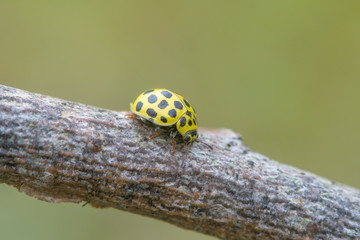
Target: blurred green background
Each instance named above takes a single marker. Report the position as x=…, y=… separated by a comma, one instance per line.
x=284, y=74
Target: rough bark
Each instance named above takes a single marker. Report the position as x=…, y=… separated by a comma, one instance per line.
x=60, y=151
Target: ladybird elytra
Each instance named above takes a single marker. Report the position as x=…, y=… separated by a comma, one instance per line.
x=166, y=108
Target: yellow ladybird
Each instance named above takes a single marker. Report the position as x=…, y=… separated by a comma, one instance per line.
x=166, y=108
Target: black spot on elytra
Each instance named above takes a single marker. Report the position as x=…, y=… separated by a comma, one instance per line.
x=194, y=133
x=163, y=104
x=178, y=105
x=190, y=122
x=188, y=113
x=151, y=112
x=166, y=94
x=163, y=119
x=152, y=98
x=139, y=106
x=172, y=113
x=187, y=103
x=182, y=121
x=187, y=139
x=149, y=91
x=194, y=121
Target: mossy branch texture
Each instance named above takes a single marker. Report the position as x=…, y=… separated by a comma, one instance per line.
x=61, y=151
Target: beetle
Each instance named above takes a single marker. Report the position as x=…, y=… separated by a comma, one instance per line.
x=165, y=108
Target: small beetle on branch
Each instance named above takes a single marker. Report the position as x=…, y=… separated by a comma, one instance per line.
x=60, y=151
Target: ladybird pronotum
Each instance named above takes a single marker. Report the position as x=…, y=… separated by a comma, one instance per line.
x=166, y=108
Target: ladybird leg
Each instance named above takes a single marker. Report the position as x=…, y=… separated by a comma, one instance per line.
x=131, y=115
x=174, y=145
x=173, y=134
x=157, y=133
x=182, y=146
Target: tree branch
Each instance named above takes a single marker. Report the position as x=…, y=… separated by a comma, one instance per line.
x=60, y=151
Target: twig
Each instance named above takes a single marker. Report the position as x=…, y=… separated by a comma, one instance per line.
x=60, y=151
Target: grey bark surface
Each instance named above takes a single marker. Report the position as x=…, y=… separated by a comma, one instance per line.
x=60, y=151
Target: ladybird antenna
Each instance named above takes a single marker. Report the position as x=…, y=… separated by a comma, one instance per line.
x=206, y=144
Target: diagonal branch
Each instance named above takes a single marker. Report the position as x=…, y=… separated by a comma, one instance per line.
x=60, y=151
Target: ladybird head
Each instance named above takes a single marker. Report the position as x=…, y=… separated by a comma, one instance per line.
x=190, y=136
x=187, y=127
